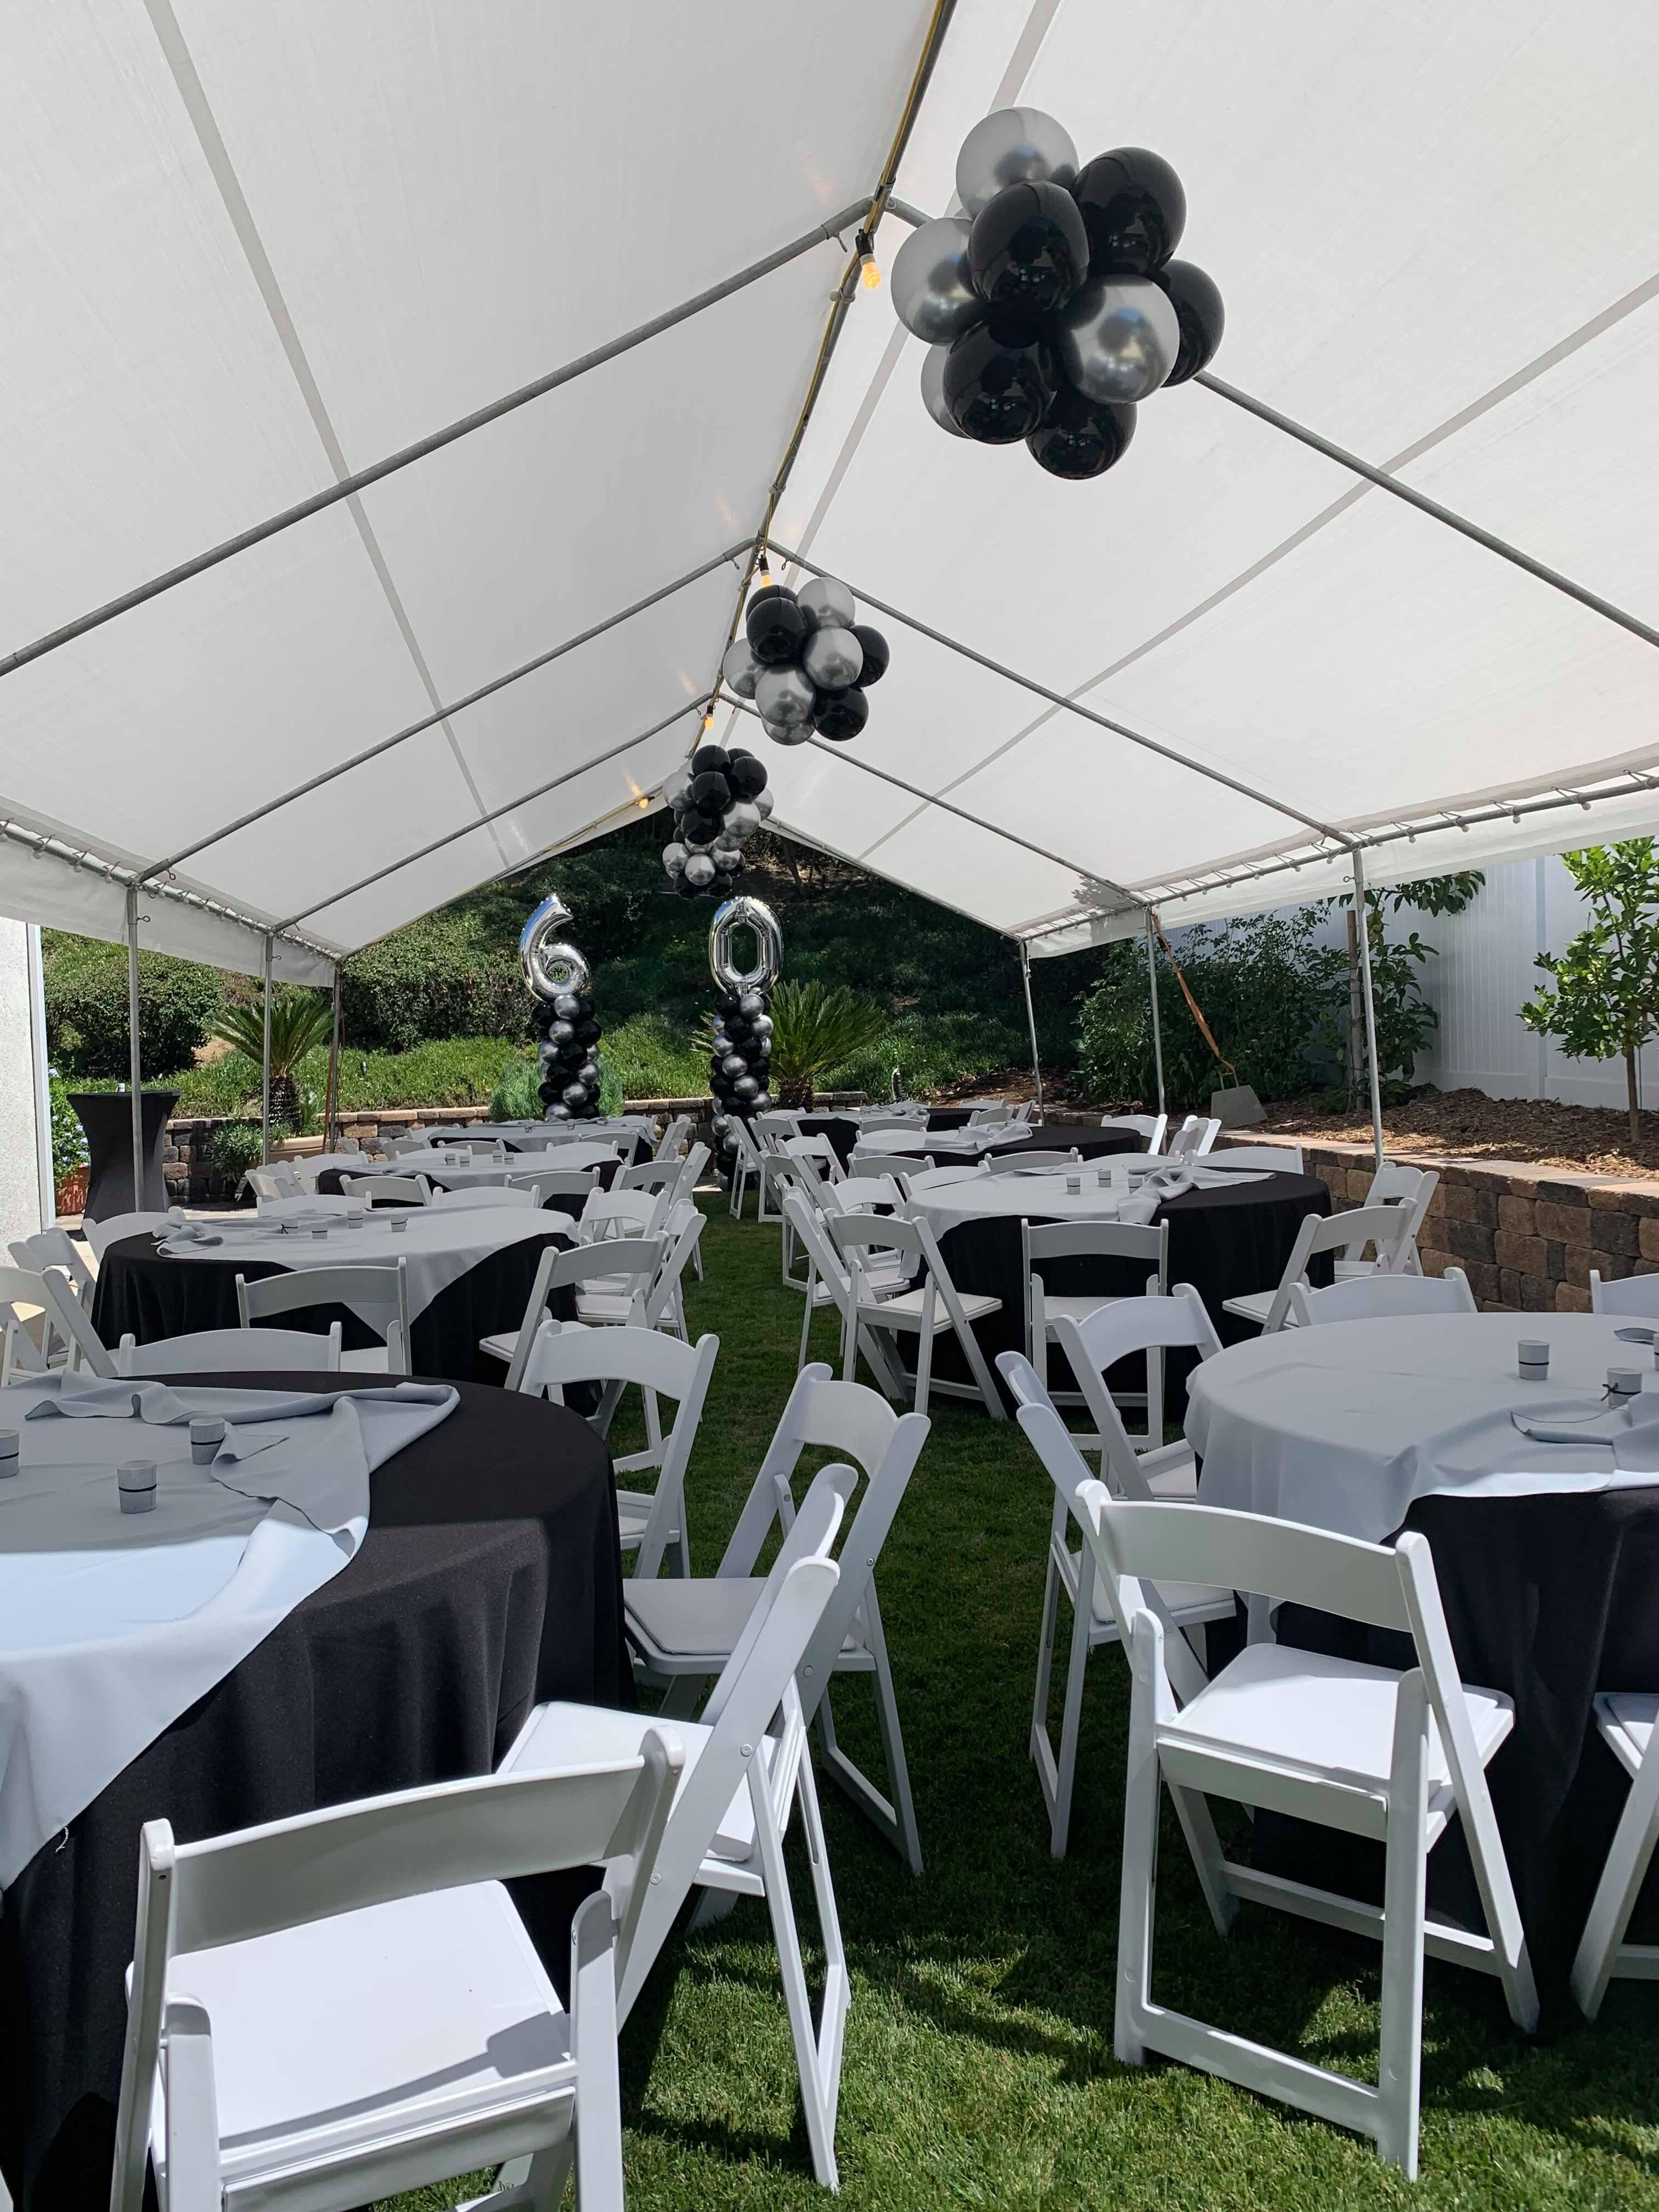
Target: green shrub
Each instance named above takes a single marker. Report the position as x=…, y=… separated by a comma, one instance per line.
x=69, y=1139
x=232, y=1148
x=447, y=976
x=86, y=992
x=517, y=1097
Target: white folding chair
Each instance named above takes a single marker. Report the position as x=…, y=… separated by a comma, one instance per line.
x=278, y=1180
x=224, y=1351
x=991, y=1113
x=566, y=1190
x=829, y=1279
x=1023, y=1160
x=345, y=2006
x=865, y=1163
x=1377, y=1298
x=1094, y=1343
x=388, y=1189
x=1396, y=1184
x=682, y=1239
x=652, y=1522
x=747, y=1766
x=862, y=1194
x=1625, y=1719
x=684, y=1632
x=1196, y=1136
x=817, y=1153
x=747, y=1160
x=672, y=1143
x=1636, y=1296
x=607, y=1215
x=927, y=1178
x=1149, y=1127
x=114, y=1227
x=1183, y=1608
x=1384, y=1226
x=67, y=1338
x=1363, y=1749
x=886, y=1124
x=383, y=1289
x=1277, y=1160
x=56, y=1248
x=649, y=1175
x=776, y=1124
x=611, y=1283
x=522, y=1194
x=1043, y=1242
x=399, y=1148
x=932, y=1309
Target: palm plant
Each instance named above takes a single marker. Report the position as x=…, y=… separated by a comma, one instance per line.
x=815, y=1029
x=299, y=1021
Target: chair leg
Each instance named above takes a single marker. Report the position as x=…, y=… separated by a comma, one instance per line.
x=806, y=1318
x=1404, y=1890
x=924, y=1366
x=1042, y=1750
x=817, y=2056
x=895, y=1819
x=1140, y=1809
x=1617, y=1891
x=1060, y=1818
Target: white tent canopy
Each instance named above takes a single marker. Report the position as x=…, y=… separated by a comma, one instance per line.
x=251, y=253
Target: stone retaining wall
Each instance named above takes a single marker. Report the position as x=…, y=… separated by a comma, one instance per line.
x=1527, y=1237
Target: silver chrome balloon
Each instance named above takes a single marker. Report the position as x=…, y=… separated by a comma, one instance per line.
x=746, y=1087
x=833, y=658
x=762, y=803
x=933, y=390
x=674, y=857
x=740, y=668
x=561, y=1032
x=700, y=870
x=744, y=818
x=734, y=1064
x=827, y=604
x=726, y=858
x=1119, y=339
x=764, y=1026
x=559, y=1113
x=933, y=295
x=549, y=967
x=574, y=1094
x=754, y=914
x=568, y=1006
x=788, y=733
x=785, y=696
x=1015, y=146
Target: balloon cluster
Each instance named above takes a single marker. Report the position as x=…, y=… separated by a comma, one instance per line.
x=559, y=979
x=719, y=799
x=807, y=661
x=740, y=1058
x=1050, y=304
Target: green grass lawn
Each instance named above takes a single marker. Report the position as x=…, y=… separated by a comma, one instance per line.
x=979, y=2067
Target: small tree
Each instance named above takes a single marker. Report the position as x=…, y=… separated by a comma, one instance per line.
x=1606, y=1002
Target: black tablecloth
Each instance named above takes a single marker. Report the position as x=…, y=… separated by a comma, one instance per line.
x=1089, y=1139
x=1225, y=1242
x=328, y=1183
x=490, y=1578
x=141, y=1292
x=1548, y=1598
x=106, y=1117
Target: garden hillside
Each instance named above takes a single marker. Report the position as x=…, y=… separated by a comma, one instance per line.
x=437, y=1014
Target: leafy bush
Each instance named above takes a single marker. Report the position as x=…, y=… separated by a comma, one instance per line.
x=300, y=1022
x=447, y=976
x=814, y=1029
x=516, y=1097
x=69, y=1139
x=86, y=990
x=232, y=1148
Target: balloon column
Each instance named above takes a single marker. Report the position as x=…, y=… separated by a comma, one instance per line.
x=719, y=799
x=807, y=661
x=1051, y=305
x=559, y=981
x=740, y=1063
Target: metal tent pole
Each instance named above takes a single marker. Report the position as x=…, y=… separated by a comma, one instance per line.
x=1157, y=1026
x=265, y=1068
x=135, y=1069
x=332, y=1105
x=1030, y=1017
x=1370, y=1009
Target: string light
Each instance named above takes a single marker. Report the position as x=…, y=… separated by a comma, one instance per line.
x=869, y=275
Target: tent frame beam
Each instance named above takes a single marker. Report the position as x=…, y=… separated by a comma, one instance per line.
x=1362, y=915
x=360, y=480
x=1151, y=981
x=1031, y=1023
x=442, y=714
x=134, y=1052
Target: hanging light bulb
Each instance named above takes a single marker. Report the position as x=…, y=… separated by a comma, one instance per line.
x=869, y=275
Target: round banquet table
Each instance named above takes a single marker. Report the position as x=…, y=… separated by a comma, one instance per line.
x=489, y=1579
x=1547, y=1558
x=142, y=1291
x=1088, y=1138
x=1225, y=1241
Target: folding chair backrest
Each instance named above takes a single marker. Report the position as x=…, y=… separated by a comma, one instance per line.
x=1116, y=1240
x=682, y=1232
x=54, y=1295
x=383, y=1289
x=691, y=1168
x=1350, y=1232
x=56, y=1248
x=877, y=1125
x=608, y=1214
x=1376, y=1297
x=277, y=1181
x=991, y=1114
x=671, y=1144
x=817, y=1153
x=1396, y=1183
x=1278, y=1159
x=522, y=1195
x=1151, y=1126
x=224, y=1351
x=772, y=1128
x=892, y=1164
x=940, y=1178
x=1024, y=1158
x=863, y=1193
x=100, y=1234
x=1636, y=1295
x=388, y=1189
x=568, y=1189
x=228, y=1888
x=649, y=1175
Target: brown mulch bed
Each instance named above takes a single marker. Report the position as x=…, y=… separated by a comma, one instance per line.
x=1540, y=1132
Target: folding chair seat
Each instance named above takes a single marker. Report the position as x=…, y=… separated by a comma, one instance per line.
x=346, y=2006
x=684, y=1632
x=1363, y=1749
x=747, y=1768
x=1350, y=1232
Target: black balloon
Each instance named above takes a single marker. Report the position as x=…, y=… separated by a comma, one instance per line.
x=1028, y=250
x=876, y=655
x=1197, y=303
x=746, y=775
x=1134, y=209
x=710, y=760
x=841, y=715
x=776, y=628
x=1081, y=437
x=711, y=791
x=999, y=382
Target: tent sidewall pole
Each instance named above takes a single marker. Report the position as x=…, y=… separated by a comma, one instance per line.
x=1369, y=1003
x=1157, y=1026
x=265, y=1068
x=1030, y=1018
x=331, y=1107
x=135, y=1057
